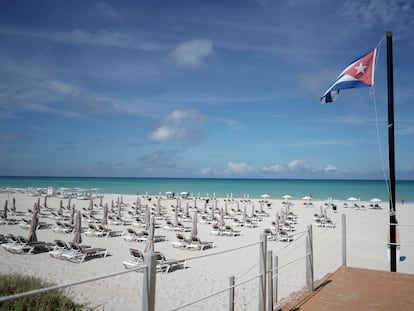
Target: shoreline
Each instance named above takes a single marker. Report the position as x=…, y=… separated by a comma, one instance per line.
x=209, y=274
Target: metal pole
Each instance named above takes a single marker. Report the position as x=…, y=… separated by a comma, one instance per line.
x=309, y=260
x=276, y=278
x=231, y=294
x=269, y=281
x=262, y=264
x=344, y=240
x=391, y=151
x=148, y=292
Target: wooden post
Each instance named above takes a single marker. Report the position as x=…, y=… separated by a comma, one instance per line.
x=262, y=264
x=344, y=240
x=231, y=294
x=269, y=281
x=309, y=260
x=148, y=292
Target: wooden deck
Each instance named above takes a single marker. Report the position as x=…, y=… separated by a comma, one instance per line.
x=358, y=289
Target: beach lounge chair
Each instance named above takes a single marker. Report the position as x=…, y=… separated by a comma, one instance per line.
x=137, y=258
x=101, y=231
x=271, y=235
x=81, y=253
x=180, y=227
x=181, y=242
x=20, y=245
x=168, y=265
x=62, y=227
x=60, y=248
x=216, y=230
x=131, y=235
x=229, y=231
x=197, y=244
x=285, y=236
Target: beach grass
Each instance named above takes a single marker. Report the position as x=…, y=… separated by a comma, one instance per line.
x=52, y=300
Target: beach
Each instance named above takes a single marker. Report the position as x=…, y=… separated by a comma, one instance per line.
x=366, y=230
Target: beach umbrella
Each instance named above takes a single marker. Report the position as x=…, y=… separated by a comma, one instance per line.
x=352, y=199
x=222, y=222
x=226, y=211
x=112, y=206
x=33, y=227
x=252, y=210
x=69, y=202
x=5, y=210
x=244, y=213
x=105, y=214
x=287, y=197
x=38, y=203
x=77, y=238
x=194, y=231
x=307, y=197
x=277, y=222
x=150, y=241
x=137, y=206
x=265, y=196
x=375, y=200
x=187, y=210
x=60, y=209
x=45, y=202
x=147, y=217
x=90, y=207
x=205, y=207
x=13, y=208
x=100, y=201
x=238, y=206
x=261, y=207
x=72, y=215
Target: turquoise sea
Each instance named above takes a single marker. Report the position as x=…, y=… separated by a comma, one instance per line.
x=239, y=188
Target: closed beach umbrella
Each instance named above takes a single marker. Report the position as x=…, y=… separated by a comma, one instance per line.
x=137, y=206
x=244, y=213
x=100, y=201
x=277, y=222
x=147, y=217
x=222, y=222
x=175, y=217
x=45, y=203
x=205, y=207
x=112, y=206
x=13, y=208
x=77, y=239
x=105, y=214
x=194, y=230
x=238, y=206
x=60, y=209
x=150, y=241
x=90, y=207
x=72, y=215
x=5, y=210
x=33, y=227
x=69, y=202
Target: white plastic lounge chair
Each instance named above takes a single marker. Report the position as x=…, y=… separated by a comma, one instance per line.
x=137, y=258
x=197, y=244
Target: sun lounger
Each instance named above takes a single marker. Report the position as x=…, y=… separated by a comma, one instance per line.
x=168, y=265
x=229, y=231
x=82, y=253
x=137, y=258
x=20, y=245
x=181, y=242
x=197, y=244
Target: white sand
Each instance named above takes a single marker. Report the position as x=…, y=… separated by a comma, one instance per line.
x=366, y=229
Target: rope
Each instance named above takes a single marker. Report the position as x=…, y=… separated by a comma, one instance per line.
x=222, y=252
x=213, y=294
x=46, y=289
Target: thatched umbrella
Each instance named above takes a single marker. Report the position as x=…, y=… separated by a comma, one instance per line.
x=33, y=227
x=77, y=238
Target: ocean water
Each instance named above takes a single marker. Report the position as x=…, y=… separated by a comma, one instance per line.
x=238, y=188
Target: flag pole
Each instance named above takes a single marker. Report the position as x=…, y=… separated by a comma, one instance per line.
x=391, y=154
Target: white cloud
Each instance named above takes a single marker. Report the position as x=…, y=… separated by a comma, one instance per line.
x=239, y=168
x=207, y=171
x=296, y=164
x=274, y=168
x=330, y=168
x=179, y=125
x=192, y=53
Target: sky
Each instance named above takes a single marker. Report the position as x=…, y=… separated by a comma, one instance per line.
x=208, y=89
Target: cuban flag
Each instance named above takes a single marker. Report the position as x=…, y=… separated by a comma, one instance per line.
x=360, y=73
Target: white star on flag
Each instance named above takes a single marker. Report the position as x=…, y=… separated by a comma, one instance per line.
x=360, y=68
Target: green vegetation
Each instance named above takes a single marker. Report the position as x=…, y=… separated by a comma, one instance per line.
x=53, y=300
